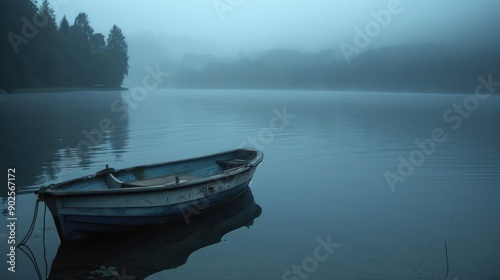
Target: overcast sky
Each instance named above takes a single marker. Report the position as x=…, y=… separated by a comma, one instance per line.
x=297, y=24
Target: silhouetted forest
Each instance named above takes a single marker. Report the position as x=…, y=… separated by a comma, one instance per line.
x=37, y=51
x=423, y=67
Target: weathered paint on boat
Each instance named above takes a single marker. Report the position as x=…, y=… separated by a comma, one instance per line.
x=117, y=200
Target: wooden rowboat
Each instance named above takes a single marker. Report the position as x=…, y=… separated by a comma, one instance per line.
x=118, y=200
x=139, y=254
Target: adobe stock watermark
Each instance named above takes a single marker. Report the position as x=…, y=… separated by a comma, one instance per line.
x=373, y=28
x=196, y=208
x=265, y=136
x=278, y=122
x=187, y=210
x=454, y=116
x=121, y=106
x=222, y=7
x=310, y=264
x=31, y=26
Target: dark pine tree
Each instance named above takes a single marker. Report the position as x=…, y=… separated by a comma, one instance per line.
x=117, y=53
x=64, y=49
x=64, y=27
x=100, y=59
x=46, y=59
x=80, y=58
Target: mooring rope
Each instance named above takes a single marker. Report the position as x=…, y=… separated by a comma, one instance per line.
x=43, y=241
x=21, y=244
x=32, y=226
x=32, y=258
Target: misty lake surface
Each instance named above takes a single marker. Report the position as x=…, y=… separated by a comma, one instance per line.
x=328, y=211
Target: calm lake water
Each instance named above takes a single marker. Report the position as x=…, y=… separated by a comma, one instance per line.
x=322, y=207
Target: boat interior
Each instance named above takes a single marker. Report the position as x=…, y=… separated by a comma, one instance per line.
x=163, y=174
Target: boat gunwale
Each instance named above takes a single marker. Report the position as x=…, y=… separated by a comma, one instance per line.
x=50, y=190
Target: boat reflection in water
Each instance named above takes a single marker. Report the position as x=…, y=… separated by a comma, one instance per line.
x=154, y=249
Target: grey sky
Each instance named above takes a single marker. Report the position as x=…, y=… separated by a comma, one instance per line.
x=298, y=24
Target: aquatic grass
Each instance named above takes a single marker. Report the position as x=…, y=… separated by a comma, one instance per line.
x=422, y=269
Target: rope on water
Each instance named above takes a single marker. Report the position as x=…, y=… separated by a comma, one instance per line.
x=44, y=247
x=22, y=244
x=32, y=258
x=32, y=226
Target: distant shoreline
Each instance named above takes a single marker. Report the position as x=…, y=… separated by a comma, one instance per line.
x=407, y=91
x=63, y=89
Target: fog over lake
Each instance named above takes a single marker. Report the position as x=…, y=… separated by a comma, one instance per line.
x=378, y=121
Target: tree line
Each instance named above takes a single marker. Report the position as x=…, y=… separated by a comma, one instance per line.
x=37, y=51
x=419, y=67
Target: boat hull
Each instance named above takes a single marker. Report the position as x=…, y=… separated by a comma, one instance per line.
x=147, y=252
x=78, y=214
